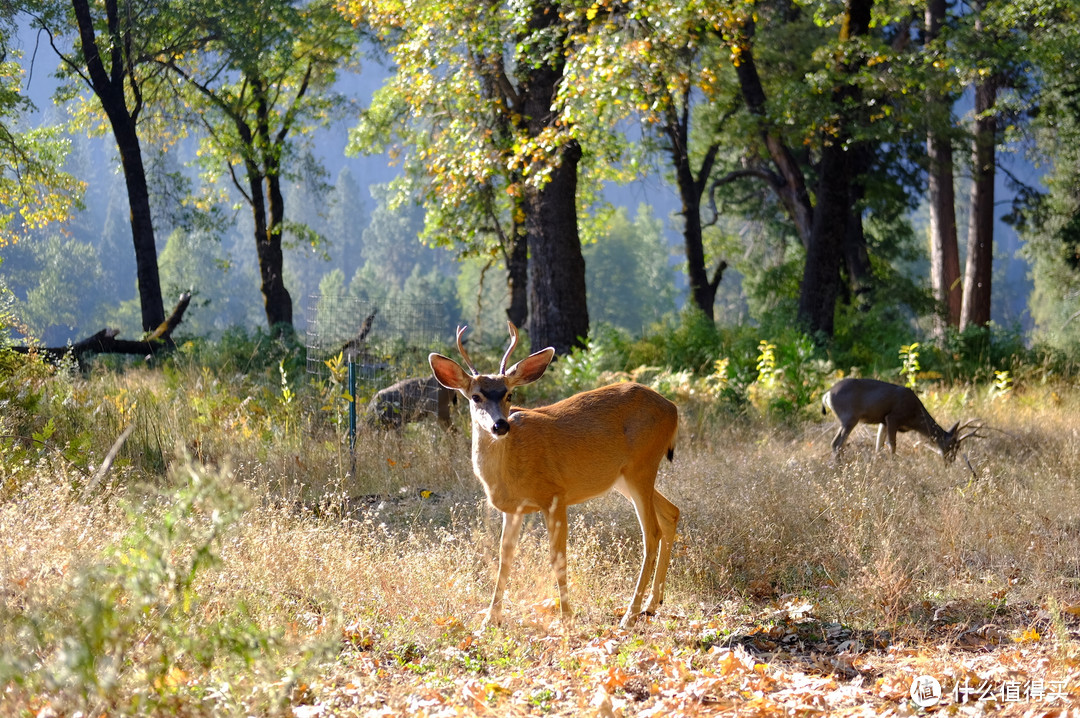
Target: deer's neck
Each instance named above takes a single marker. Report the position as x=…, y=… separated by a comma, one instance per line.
x=931, y=428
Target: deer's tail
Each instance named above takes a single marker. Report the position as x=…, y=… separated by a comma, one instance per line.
x=671, y=443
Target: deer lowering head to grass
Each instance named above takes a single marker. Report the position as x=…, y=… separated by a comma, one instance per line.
x=893, y=408
x=549, y=458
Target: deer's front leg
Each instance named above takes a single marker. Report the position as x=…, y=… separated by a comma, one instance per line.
x=555, y=517
x=511, y=531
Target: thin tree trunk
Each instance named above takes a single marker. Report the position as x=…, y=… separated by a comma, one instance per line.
x=944, y=250
x=277, y=303
x=142, y=226
x=980, y=246
x=109, y=87
x=691, y=188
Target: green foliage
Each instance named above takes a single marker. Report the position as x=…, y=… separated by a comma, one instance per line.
x=909, y=364
x=630, y=283
x=248, y=352
x=34, y=190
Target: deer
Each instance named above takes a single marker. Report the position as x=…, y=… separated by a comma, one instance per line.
x=552, y=457
x=411, y=400
x=893, y=408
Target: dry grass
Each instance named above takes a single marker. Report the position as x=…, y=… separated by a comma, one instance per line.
x=353, y=585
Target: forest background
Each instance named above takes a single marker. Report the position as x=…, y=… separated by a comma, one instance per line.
x=371, y=209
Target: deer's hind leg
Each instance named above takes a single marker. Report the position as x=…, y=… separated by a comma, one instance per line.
x=642, y=495
x=841, y=437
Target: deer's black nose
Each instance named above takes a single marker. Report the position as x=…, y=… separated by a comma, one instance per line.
x=500, y=427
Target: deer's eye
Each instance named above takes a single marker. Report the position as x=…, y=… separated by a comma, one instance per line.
x=510, y=397
x=476, y=398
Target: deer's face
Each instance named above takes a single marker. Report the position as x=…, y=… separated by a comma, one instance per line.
x=489, y=394
x=951, y=444
x=489, y=403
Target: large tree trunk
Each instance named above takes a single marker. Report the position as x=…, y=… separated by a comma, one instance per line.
x=980, y=245
x=821, y=274
x=109, y=87
x=944, y=250
x=856, y=255
x=558, y=314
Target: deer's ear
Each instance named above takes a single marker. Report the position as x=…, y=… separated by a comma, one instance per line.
x=448, y=372
x=530, y=368
x=954, y=428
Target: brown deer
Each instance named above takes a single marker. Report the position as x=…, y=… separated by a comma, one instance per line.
x=411, y=400
x=893, y=408
x=555, y=456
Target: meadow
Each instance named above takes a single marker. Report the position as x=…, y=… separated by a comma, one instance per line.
x=235, y=557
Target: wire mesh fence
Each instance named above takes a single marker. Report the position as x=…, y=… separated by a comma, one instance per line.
x=386, y=342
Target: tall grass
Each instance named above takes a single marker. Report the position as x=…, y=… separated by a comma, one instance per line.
x=238, y=550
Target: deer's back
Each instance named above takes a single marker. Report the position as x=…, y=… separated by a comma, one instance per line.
x=869, y=400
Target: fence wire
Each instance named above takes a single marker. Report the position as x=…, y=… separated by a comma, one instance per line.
x=387, y=341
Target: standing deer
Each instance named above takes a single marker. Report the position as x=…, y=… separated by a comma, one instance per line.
x=894, y=408
x=549, y=458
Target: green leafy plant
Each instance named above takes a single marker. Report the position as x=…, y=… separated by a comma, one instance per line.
x=909, y=364
x=1002, y=385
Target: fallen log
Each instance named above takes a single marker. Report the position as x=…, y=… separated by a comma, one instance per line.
x=106, y=341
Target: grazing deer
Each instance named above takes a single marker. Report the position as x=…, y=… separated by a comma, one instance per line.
x=411, y=400
x=894, y=408
x=549, y=458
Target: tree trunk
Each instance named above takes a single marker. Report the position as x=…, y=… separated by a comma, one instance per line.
x=517, y=275
x=558, y=315
x=691, y=188
x=277, y=302
x=142, y=225
x=109, y=87
x=829, y=238
x=944, y=250
x=856, y=256
x=792, y=189
x=268, y=209
x=821, y=274
x=975, y=310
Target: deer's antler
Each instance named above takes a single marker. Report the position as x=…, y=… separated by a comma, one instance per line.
x=509, y=349
x=465, y=354
x=973, y=430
